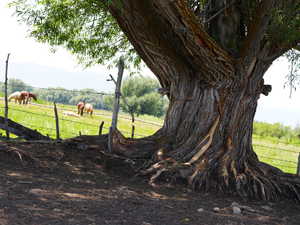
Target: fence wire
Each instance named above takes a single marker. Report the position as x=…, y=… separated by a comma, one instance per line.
x=96, y=127
x=287, y=164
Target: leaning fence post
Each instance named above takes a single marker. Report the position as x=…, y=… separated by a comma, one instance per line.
x=5, y=97
x=116, y=103
x=298, y=167
x=56, y=121
x=100, y=128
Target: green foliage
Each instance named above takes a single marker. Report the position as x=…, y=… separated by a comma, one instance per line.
x=58, y=95
x=277, y=132
x=14, y=85
x=293, y=77
x=72, y=97
x=84, y=27
x=141, y=96
x=88, y=30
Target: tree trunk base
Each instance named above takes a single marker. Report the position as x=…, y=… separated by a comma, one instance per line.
x=247, y=180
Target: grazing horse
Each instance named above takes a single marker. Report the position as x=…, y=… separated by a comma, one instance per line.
x=26, y=97
x=84, y=107
x=17, y=96
x=80, y=108
x=88, y=108
x=22, y=97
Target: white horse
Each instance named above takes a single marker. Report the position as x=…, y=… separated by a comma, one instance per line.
x=88, y=108
x=17, y=96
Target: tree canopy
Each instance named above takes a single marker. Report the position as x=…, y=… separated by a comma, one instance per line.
x=15, y=85
x=85, y=28
x=88, y=29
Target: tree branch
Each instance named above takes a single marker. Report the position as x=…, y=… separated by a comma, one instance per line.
x=256, y=32
x=279, y=51
x=174, y=39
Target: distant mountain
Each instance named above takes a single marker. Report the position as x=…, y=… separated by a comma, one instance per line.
x=43, y=76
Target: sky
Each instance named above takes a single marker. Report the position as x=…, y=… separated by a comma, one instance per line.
x=37, y=66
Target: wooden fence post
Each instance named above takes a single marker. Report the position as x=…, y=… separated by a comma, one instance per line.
x=5, y=97
x=132, y=131
x=100, y=128
x=56, y=122
x=116, y=103
x=298, y=167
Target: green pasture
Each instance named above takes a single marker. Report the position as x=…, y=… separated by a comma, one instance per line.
x=41, y=118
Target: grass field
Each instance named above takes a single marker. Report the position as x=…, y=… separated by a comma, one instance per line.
x=41, y=118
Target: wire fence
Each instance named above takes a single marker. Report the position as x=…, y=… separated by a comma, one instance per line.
x=42, y=119
x=69, y=127
x=285, y=159
x=78, y=92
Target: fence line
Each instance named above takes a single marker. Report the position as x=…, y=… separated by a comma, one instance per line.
x=71, y=121
x=282, y=166
x=60, y=89
x=277, y=148
x=105, y=114
x=100, y=114
x=83, y=92
x=283, y=160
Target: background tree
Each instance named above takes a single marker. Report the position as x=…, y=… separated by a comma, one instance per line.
x=16, y=85
x=71, y=97
x=141, y=96
x=210, y=57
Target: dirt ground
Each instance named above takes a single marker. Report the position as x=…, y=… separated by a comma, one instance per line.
x=64, y=186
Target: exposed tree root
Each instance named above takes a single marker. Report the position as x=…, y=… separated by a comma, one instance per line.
x=254, y=183
x=247, y=178
x=19, y=153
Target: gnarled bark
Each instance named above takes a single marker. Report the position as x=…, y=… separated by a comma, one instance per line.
x=206, y=138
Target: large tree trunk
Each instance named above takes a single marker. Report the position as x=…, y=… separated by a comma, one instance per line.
x=207, y=135
x=206, y=141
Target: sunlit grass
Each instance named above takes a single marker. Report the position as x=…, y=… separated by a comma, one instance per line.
x=41, y=118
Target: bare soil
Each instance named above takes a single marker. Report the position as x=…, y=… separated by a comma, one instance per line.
x=45, y=184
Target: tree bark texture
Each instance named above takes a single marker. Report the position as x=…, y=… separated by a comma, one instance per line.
x=207, y=134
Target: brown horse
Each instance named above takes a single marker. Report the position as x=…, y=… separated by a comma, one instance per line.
x=26, y=97
x=84, y=107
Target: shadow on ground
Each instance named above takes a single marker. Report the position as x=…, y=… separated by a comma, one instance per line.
x=72, y=187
